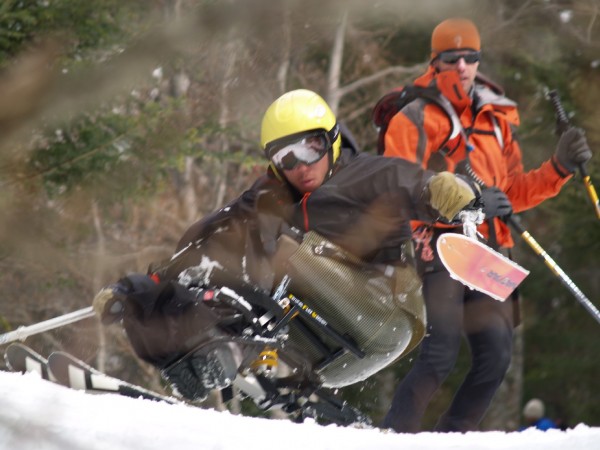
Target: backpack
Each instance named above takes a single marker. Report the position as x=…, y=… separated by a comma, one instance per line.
x=392, y=102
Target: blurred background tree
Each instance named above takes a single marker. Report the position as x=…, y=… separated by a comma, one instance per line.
x=122, y=122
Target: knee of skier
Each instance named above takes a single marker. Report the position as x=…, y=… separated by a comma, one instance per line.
x=494, y=356
x=495, y=365
x=439, y=350
x=439, y=364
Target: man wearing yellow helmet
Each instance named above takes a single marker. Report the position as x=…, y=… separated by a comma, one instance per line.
x=352, y=199
x=300, y=127
x=316, y=182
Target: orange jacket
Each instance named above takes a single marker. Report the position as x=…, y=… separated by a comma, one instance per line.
x=419, y=130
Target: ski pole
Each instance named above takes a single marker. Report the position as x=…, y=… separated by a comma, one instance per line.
x=562, y=124
x=562, y=276
x=25, y=331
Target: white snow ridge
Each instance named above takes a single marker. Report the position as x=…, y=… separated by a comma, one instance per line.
x=39, y=415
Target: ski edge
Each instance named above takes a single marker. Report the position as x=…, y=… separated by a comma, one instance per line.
x=72, y=372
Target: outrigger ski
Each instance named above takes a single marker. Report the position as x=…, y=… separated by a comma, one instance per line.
x=20, y=358
x=65, y=369
x=74, y=373
x=300, y=400
x=479, y=267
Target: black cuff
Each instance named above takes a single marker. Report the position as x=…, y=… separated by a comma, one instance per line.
x=559, y=168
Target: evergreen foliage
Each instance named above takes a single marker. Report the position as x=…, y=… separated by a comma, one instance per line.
x=86, y=25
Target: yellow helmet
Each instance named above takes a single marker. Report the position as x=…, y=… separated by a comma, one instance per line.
x=295, y=113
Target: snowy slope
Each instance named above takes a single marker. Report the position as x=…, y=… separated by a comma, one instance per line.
x=40, y=415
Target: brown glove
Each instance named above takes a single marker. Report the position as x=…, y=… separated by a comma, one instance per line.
x=448, y=194
x=108, y=303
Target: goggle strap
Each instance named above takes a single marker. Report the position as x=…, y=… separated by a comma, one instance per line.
x=334, y=133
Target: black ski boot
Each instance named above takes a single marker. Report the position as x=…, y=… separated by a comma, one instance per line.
x=200, y=371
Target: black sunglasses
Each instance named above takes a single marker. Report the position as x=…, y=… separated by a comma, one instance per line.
x=454, y=57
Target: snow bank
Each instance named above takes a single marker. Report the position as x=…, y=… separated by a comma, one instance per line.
x=40, y=415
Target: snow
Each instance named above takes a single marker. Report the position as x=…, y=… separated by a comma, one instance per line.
x=41, y=415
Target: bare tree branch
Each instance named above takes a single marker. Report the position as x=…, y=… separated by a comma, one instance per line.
x=284, y=66
x=395, y=70
x=335, y=66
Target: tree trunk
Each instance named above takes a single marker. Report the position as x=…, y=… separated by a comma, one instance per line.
x=190, y=199
x=284, y=66
x=231, y=52
x=335, y=66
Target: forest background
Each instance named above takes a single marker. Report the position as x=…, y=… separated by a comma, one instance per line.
x=123, y=122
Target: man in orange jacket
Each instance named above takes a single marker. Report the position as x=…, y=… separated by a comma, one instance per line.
x=475, y=138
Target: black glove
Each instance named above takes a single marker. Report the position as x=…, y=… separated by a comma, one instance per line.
x=495, y=203
x=572, y=149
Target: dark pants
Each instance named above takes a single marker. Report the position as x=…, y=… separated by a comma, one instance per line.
x=454, y=310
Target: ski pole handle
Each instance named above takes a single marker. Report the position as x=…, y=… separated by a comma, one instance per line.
x=470, y=218
x=562, y=125
x=562, y=120
x=25, y=331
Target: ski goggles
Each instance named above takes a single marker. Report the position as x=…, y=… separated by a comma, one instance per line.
x=305, y=148
x=453, y=57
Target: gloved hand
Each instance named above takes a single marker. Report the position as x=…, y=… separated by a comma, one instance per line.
x=449, y=193
x=495, y=203
x=572, y=149
x=109, y=302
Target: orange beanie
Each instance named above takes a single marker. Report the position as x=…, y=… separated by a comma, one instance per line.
x=454, y=34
